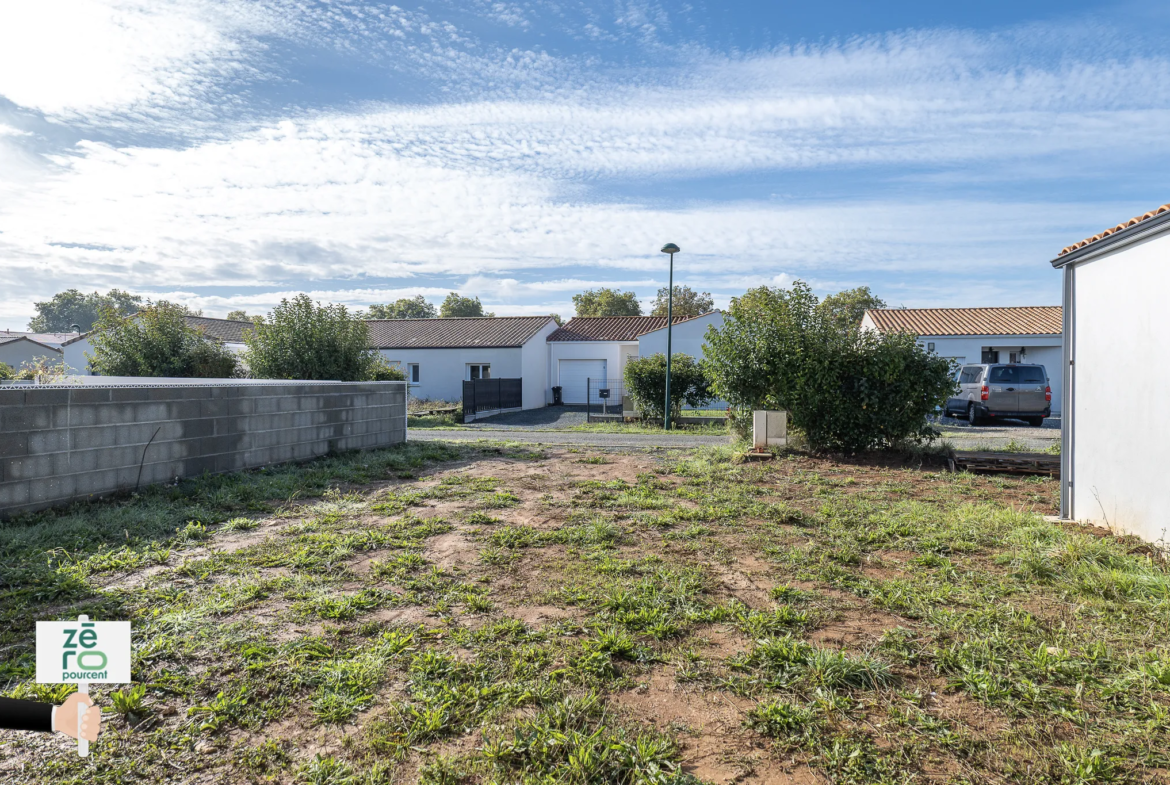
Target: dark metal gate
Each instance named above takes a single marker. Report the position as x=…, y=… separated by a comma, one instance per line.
x=492, y=395
x=605, y=401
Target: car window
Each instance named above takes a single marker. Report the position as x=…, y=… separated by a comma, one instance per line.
x=1032, y=374
x=970, y=375
x=1004, y=375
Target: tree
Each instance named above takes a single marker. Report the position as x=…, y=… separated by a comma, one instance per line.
x=6, y=372
x=157, y=342
x=606, y=302
x=557, y=318
x=686, y=302
x=456, y=305
x=71, y=307
x=646, y=381
x=845, y=389
x=243, y=316
x=307, y=340
x=405, y=308
x=847, y=308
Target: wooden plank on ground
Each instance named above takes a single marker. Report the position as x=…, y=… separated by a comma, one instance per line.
x=1014, y=462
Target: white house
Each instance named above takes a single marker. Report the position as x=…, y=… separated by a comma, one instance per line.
x=1030, y=334
x=17, y=349
x=687, y=336
x=229, y=332
x=1116, y=373
x=598, y=347
x=438, y=355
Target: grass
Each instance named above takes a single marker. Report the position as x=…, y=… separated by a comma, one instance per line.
x=482, y=612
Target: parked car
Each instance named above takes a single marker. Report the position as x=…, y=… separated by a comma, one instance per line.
x=992, y=390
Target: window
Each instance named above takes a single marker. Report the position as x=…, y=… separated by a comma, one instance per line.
x=971, y=375
x=1032, y=374
x=412, y=373
x=989, y=355
x=1006, y=375
x=479, y=371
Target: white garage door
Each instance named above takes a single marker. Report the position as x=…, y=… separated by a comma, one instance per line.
x=574, y=375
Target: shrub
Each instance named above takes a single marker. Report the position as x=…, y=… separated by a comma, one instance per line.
x=157, y=341
x=6, y=372
x=646, y=383
x=306, y=340
x=844, y=388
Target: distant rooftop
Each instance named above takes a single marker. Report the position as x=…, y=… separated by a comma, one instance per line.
x=1025, y=320
x=611, y=328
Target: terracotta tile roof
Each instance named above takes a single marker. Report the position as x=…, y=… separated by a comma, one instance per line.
x=1112, y=230
x=611, y=328
x=482, y=332
x=225, y=330
x=1027, y=320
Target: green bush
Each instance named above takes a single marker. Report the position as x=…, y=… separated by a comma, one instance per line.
x=157, y=341
x=306, y=340
x=6, y=372
x=646, y=384
x=846, y=389
x=383, y=371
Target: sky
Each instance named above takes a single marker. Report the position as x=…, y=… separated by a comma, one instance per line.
x=229, y=153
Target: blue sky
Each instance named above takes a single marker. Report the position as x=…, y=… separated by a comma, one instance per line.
x=227, y=153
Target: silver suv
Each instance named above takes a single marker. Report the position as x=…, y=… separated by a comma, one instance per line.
x=992, y=390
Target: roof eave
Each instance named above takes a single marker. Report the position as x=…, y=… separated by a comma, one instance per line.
x=1127, y=236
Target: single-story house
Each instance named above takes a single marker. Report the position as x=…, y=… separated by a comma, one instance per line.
x=687, y=336
x=598, y=347
x=229, y=332
x=438, y=355
x=16, y=350
x=1029, y=334
x=1115, y=434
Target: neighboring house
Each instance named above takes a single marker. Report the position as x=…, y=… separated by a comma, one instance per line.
x=229, y=332
x=438, y=355
x=16, y=350
x=1029, y=334
x=598, y=347
x=687, y=336
x=1115, y=434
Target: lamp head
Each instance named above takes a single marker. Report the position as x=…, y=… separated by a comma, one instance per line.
x=670, y=248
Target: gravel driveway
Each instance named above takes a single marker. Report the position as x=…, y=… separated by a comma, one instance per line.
x=546, y=418
x=964, y=437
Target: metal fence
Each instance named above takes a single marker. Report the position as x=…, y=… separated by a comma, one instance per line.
x=606, y=401
x=491, y=395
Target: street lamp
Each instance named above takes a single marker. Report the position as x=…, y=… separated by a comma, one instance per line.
x=671, y=249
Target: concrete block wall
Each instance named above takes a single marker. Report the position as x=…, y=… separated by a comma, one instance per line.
x=60, y=443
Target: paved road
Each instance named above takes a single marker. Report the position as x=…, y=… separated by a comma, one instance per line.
x=546, y=418
x=530, y=436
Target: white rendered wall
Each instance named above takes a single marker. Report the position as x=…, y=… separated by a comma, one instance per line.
x=16, y=353
x=686, y=338
x=442, y=371
x=534, y=362
x=1121, y=372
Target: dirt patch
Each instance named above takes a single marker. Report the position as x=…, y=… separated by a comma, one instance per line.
x=715, y=746
x=536, y=615
x=453, y=550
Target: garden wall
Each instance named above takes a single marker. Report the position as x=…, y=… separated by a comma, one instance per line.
x=60, y=443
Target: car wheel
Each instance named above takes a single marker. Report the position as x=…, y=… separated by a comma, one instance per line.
x=1036, y=422
x=972, y=417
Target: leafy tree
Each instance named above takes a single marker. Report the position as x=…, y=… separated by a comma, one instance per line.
x=847, y=308
x=557, y=318
x=606, y=302
x=307, y=340
x=845, y=389
x=455, y=305
x=65, y=309
x=686, y=302
x=157, y=342
x=243, y=316
x=6, y=372
x=382, y=371
x=646, y=383
x=405, y=308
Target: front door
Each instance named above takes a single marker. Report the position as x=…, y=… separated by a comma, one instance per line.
x=1002, y=388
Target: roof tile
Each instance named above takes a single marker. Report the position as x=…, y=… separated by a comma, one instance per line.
x=611, y=328
x=1124, y=225
x=481, y=332
x=1027, y=320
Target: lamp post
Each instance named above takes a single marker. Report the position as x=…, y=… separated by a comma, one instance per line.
x=671, y=249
